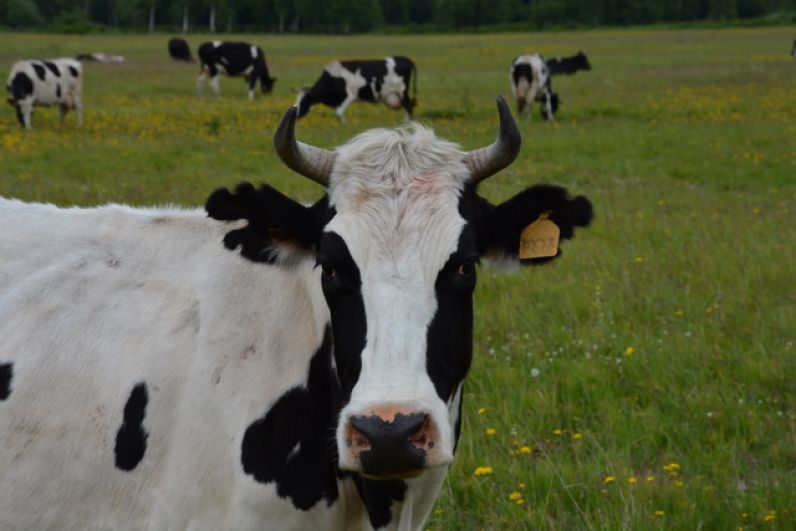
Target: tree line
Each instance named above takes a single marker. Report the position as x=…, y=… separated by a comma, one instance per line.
x=353, y=16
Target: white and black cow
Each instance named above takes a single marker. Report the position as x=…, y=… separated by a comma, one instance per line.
x=343, y=82
x=179, y=50
x=151, y=379
x=530, y=77
x=46, y=83
x=235, y=59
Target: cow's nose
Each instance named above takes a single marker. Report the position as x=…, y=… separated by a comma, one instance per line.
x=391, y=448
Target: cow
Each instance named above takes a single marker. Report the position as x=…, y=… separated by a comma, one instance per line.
x=273, y=365
x=343, y=82
x=234, y=59
x=46, y=83
x=179, y=50
x=530, y=79
x=100, y=57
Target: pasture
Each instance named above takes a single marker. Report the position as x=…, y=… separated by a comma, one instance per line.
x=647, y=379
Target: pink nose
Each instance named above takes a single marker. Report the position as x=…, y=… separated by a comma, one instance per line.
x=389, y=441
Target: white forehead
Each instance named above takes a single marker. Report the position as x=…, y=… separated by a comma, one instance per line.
x=396, y=193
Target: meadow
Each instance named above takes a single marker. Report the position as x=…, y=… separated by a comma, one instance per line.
x=645, y=380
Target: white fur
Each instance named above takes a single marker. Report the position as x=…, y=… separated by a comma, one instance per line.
x=45, y=92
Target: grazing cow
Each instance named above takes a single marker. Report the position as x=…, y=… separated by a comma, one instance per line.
x=342, y=82
x=151, y=379
x=46, y=83
x=234, y=59
x=179, y=50
x=568, y=65
x=530, y=80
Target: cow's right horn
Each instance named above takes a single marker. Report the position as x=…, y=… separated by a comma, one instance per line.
x=489, y=160
x=310, y=161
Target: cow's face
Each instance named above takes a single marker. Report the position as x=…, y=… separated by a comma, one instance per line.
x=396, y=241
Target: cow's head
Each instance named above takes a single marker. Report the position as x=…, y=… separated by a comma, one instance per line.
x=582, y=62
x=267, y=83
x=396, y=239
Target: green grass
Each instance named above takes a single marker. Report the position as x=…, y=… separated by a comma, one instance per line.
x=686, y=143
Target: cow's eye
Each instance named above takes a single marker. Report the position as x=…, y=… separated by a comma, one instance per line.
x=328, y=272
x=466, y=269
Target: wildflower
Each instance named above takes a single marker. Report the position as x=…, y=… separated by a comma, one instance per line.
x=534, y=373
x=483, y=471
x=490, y=431
x=629, y=351
x=520, y=501
x=650, y=478
x=481, y=410
x=755, y=211
x=659, y=513
x=577, y=436
x=609, y=479
x=769, y=517
x=557, y=431
x=521, y=486
x=639, y=259
x=679, y=483
x=679, y=313
x=514, y=496
x=632, y=480
x=525, y=449
x=671, y=467
x=744, y=515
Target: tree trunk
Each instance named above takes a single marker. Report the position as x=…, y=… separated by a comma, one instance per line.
x=212, y=18
x=152, y=18
x=185, y=20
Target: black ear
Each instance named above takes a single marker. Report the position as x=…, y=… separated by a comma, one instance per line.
x=277, y=225
x=506, y=221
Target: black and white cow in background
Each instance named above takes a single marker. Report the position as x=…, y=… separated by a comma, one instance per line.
x=343, y=82
x=530, y=80
x=46, y=83
x=235, y=59
x=179, y=50
x=151, y=379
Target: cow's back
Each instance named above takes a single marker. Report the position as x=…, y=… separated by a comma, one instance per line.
x=103, y=309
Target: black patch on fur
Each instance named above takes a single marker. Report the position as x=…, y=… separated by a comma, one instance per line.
x=21, y=86
x=273, y=219
x=343, y=293
x=236, y=57
x=6, y=374
x=378, y=497
x=449, y=339
x=131, y=437
x=74, y=71
x=568, y=65
x=58, y=90
x=293, y=444
x=52, y=68
x=40, y=71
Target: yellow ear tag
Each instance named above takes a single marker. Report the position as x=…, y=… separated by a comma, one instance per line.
x=540, y=238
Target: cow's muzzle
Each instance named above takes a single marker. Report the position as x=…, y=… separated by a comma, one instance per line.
x=391, y=448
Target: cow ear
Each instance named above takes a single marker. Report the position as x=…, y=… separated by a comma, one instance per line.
x=278, y=229
x=505, y=222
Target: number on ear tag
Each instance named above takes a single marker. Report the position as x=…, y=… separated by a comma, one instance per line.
x=540, y=238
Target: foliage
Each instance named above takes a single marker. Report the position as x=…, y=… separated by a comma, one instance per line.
x=642, y=381
x=355, y=16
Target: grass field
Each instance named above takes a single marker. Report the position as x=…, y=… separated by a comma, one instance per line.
x=645, y=380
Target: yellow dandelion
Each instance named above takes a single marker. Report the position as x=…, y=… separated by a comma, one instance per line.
x=520, y=501
x=490, y=431
x=483, y=471
x=481, y=410
x=629, y=351
x=514, y=496
x=679, y=313
x=557, y=431
x=671, y=467
x=769, y=517
x=521, y=486
x=609, y=479
x=631, y=480
x=650, y=478
x=639, y=259
x=525, y=449
x=659, y=513
x=755, y=211
x=744, y=515
x=577, y=436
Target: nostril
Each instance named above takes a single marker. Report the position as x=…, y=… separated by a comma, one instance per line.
x=356, y=440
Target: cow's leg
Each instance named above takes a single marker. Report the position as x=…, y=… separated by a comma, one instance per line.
x=252, y=80
x=214, y=84
x=25, y=111
x=342, y=107
x=63, y=108
x=406, y=102
x=78, y=105
x=547, y=106
x=520, y=106
x=200, y=82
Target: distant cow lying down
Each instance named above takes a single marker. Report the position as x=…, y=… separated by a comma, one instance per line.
x=44, y=84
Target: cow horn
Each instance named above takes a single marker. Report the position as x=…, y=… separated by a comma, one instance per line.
x=310, y=161
x=489, y=160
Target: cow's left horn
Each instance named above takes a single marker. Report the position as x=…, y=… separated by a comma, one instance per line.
x=310, y=161
x=489, y=160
